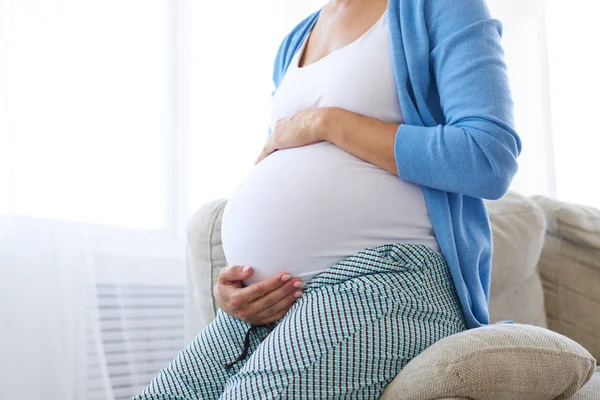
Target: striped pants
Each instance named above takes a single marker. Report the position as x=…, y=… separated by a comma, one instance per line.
x=356, y=326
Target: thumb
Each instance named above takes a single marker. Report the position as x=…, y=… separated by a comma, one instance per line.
x=234, y=273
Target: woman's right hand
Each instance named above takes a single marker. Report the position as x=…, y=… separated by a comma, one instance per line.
x=262, y=302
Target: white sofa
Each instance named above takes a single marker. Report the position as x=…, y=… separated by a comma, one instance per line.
x=546, y=274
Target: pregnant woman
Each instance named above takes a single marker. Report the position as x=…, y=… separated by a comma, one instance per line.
x=360, y=238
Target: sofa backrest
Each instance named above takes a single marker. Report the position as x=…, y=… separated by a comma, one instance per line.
x=570, y=271
x=518, y=231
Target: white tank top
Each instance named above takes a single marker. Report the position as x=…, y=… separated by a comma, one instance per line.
x=302, y=210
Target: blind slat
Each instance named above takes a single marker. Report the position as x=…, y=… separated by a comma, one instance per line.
x=142, y=331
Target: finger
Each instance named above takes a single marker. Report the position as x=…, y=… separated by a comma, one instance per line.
x=260, y=157
x=259, y=289
x=278, y=311
x=268, y=149
x=277, y=295
x=249, y=311
x=234, y=273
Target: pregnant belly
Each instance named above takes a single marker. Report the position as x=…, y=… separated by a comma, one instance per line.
x=302, y=210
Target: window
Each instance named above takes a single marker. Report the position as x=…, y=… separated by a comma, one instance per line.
x=572, y=30
x=86, y=110
x=90, y=157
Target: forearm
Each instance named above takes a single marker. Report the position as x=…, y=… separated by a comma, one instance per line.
x=367, y=138
x=470, y=160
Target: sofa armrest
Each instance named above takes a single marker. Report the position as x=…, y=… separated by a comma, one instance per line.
x=570, y=270
x=205, y=258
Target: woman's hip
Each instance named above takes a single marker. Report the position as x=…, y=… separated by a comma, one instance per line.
x=394, y=272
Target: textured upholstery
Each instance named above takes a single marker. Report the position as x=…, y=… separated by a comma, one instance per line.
x=205, y=259
x=570, y=268
x=518, y=229
x=497, y=362
x=575, y=223
x=591, y=391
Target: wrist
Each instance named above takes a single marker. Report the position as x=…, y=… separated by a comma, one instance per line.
x=326, y=123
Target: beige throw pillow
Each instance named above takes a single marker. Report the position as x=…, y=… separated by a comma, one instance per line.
x=496, y=362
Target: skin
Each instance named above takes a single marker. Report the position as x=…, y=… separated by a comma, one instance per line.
x=340, y=23
x=261, y=303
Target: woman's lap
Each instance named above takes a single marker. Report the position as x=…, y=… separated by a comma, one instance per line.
x=354, y=329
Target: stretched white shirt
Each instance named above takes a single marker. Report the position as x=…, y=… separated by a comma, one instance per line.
x=301, y=210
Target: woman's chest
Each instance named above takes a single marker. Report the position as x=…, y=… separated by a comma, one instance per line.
x=358, y=77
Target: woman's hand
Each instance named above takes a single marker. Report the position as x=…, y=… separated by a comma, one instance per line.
x=300, y=130
x=261, y=303
x=346, y=129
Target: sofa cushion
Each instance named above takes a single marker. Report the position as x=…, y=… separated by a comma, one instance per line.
x=518, y=230
x=575, y=223
x=591, y=390
x=204, y=261
x=496, y=362
x=570, y=270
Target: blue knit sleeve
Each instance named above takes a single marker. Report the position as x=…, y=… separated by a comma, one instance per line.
x=475, y=152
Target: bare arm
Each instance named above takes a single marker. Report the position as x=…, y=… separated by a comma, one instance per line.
x=367, y=138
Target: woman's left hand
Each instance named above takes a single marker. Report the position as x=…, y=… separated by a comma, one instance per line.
x=300, y=130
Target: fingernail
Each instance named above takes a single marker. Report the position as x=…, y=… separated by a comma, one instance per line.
x=245, y=269
x=298, y=294
x=298, y=284
x=286, y=277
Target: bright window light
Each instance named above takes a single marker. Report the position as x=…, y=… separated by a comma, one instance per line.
x=574, y=86
x=84, y=110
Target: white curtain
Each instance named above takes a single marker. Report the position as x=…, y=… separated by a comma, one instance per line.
x=92, y=195
x=118, y=119
x=49, y=335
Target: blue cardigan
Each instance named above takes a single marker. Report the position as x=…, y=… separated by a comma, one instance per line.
x=458, y=140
